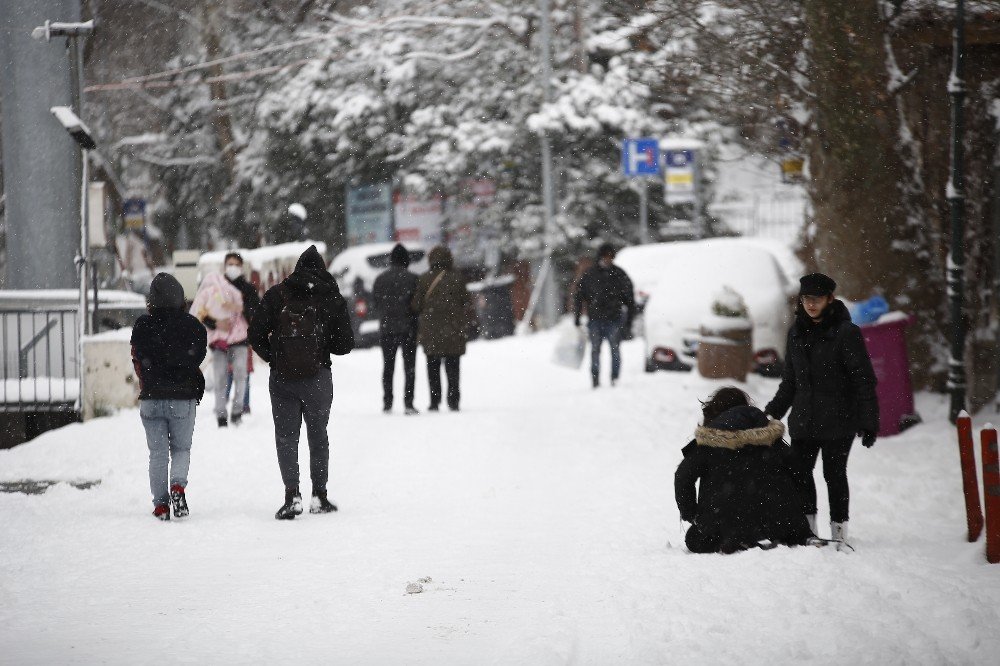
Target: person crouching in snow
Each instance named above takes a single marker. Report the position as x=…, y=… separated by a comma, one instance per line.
x=746, y=498
x=219, y=306
x=168, y=346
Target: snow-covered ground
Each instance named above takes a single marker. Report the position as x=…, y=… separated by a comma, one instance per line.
x=542, y=514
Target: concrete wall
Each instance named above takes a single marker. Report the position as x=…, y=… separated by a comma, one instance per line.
x=41, y=164
x=109, y=381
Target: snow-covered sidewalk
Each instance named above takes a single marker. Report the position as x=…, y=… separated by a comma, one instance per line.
x=542, y=515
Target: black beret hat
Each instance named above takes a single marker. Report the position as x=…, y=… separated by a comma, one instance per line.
x=816, y=284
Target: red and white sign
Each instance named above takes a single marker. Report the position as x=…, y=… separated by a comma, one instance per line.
x=419, y=219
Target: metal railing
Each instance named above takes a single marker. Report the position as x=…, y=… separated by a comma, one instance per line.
x=41, y=369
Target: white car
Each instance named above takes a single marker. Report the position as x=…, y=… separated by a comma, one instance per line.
x=355, y=270
x=678, y=282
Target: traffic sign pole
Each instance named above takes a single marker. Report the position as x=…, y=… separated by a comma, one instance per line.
x=643, y=212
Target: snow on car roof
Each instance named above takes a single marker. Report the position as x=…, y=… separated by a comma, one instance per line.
x=685, y=275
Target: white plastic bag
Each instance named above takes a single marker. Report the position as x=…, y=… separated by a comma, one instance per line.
x=571, y=346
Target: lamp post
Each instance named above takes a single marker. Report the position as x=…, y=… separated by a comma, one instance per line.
x=956, y=199
x=545, y=282
x=71, y=122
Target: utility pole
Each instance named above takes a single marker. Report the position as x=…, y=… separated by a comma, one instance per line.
x=956, y=199
x=545, y=283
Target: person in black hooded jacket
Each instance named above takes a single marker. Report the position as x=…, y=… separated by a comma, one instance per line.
x=310, y=292
x=746, y=497
x=392, y=294
x=829, y=383
x=168, y=346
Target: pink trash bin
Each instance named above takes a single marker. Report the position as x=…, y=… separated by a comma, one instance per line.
x=886, y=343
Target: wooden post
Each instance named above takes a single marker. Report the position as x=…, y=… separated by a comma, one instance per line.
x=970, y=481
x=991, y=492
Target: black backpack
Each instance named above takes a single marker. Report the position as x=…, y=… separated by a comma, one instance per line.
x=298, y=340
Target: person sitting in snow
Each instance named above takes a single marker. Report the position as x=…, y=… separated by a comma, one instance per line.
x=168, y=346
x=746, y=498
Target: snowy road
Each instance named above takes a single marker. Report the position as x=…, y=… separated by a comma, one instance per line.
x=543, y=514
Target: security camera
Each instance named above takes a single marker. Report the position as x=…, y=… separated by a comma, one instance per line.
x=59, y=29
x=76, y=128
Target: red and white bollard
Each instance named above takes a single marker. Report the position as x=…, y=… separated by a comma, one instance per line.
x=991, y=492
x=970, y=481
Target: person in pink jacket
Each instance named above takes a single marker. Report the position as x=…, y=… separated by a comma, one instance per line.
x=219, y=306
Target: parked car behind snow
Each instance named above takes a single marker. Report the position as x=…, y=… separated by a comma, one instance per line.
x=679, y=281
x=355, y=270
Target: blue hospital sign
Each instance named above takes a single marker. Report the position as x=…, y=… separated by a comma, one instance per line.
x=641, y=157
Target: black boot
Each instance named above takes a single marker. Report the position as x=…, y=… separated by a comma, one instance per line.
x=320, y=503
x=178, y=501
x=292, y=506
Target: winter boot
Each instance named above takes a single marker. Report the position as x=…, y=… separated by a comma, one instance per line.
x=161, y=512
x=595, y=381
x=320, y=503
x=292, y=506
x=811, y=519
x=178, y=500
x=236, y=419
x=411, y=410
x=223, y=422
x=838, y=534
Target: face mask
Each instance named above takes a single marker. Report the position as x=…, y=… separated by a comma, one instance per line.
x=233, y=272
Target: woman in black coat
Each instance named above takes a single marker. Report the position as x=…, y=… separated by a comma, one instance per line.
x=829, y=383
x=746, y=497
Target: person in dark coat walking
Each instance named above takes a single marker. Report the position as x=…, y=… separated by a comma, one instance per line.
x=606, y=292
x=829, y=383
x=392, y=295
x=746, y=497
x=443, y=305
x=299, y=323
x=168, y=346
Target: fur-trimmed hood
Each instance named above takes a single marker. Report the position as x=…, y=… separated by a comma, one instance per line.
x=739, y=427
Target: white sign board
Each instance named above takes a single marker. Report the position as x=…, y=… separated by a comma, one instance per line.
x=419, y=220
x=680, y=176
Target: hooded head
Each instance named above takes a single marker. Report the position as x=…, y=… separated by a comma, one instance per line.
x=399, y=256
x=440, y=258
x=311, y=261
x=606, y=254
x=166, y=292
x=310, y=273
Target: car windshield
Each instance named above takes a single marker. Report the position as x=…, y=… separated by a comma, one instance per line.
x=380, y=261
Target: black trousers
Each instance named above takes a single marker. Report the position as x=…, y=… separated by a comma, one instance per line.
x=293, y=402
x=835, y=453
x=434, y=379
x=390, y=343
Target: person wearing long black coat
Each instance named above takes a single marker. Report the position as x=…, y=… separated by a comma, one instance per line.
x=829, y=383
x=392, y=294
x=746, y=496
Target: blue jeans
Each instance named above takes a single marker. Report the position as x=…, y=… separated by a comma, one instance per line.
x=169, y=426
x=610, y=330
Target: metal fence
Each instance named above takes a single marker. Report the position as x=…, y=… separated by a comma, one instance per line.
x=41, y=369
x=764, y=216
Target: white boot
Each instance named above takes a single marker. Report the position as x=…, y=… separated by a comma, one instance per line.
x=838, y=533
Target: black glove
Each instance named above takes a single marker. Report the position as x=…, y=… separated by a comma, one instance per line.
x=209, y=323
x=867, y=438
